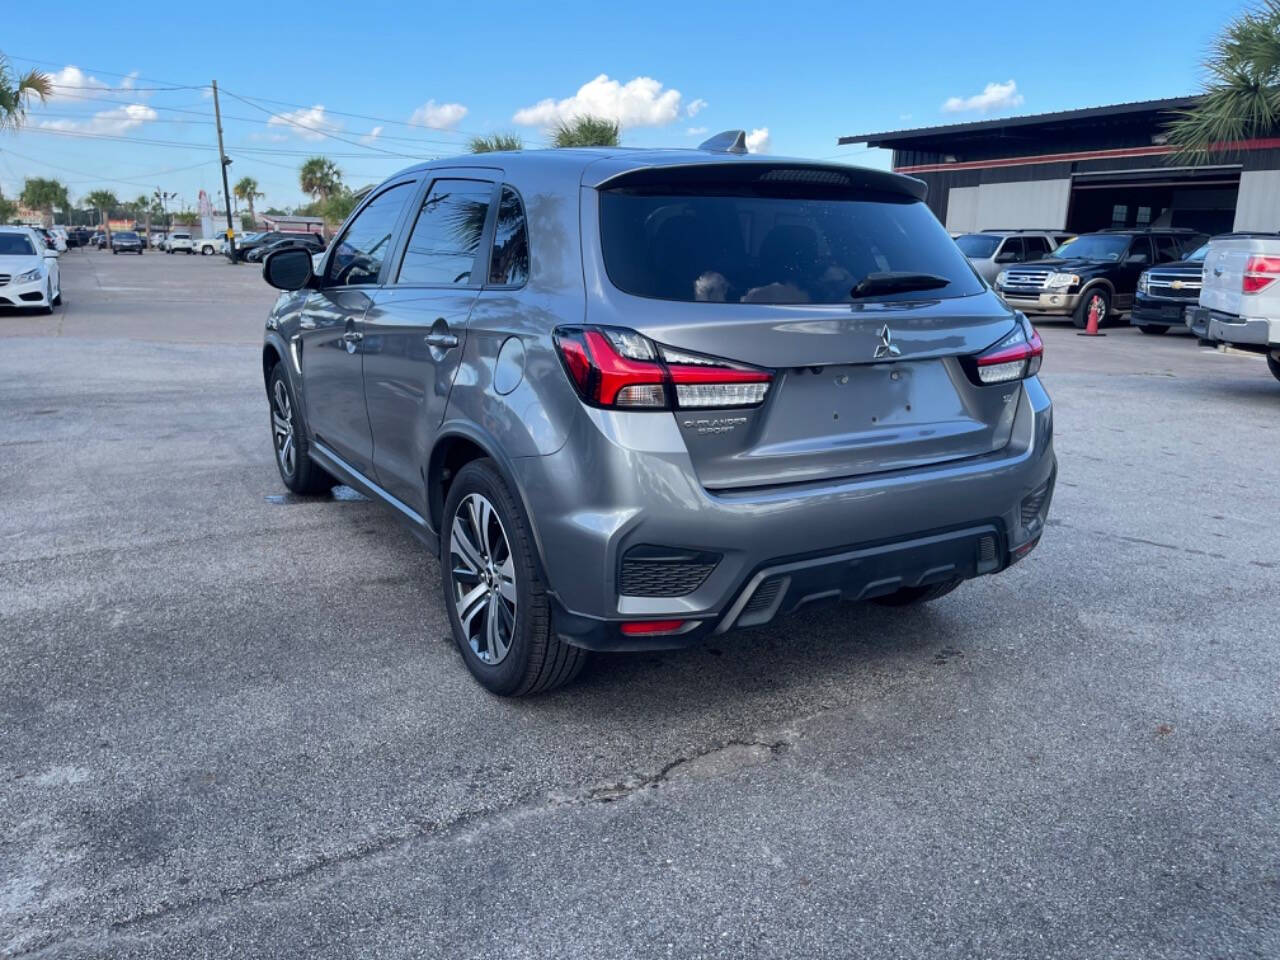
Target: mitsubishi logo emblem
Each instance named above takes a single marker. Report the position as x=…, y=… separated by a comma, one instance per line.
x=886, y=347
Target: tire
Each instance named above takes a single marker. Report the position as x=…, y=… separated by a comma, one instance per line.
x=1153, y=329
x=114, y=251
x=299, y=473
x=57, y=301
x=535, y=660
x=1081, y=317
x=1273, y=364
x=914, y=596
x=48, y=307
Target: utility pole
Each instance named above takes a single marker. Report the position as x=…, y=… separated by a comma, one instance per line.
x=226, y=190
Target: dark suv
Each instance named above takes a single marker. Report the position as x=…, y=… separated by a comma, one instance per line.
x=634, y=398
x=264, y=240
x=1167, y=291
x=1094, y=273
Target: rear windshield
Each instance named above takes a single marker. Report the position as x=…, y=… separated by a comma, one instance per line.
x=182, y=236
x=978, y=246
x=742, y=244
x=126, y=235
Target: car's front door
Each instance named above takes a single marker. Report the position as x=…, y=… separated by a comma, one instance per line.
x=417, y=323
x=1136, y=259
x=332, y=327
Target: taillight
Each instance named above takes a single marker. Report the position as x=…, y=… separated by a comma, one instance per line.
x=617, y=368
x=1260, y=273
x=1016, y=357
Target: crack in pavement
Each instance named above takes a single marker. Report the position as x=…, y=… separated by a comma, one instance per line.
x=721, y=759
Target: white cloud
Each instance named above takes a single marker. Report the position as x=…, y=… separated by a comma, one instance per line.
x=372, y=135
x=438, y=116
x=638, y=103
x=994, y=96
x=115, y=121
x=310, y=123
x=72, y=83
x=695, y=131
x=694, y=108
x=758, y=140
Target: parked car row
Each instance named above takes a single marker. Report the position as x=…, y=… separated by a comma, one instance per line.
x=1223, y=289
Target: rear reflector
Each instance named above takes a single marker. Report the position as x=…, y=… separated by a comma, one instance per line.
x=1260, y=273
x=650, y=628
x=621, y=369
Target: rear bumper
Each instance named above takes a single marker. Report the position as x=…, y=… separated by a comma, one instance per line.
x=626, y=480
x=1052, y=304
x=1249, y=331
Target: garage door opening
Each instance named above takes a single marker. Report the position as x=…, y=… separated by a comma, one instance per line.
x=1198, y=198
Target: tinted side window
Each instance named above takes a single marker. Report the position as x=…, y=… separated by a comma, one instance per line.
x=509, y=264
x=360, y=251
x=1037, y=247
x=1140, y=250
x=1012, y=248
x=1166, y=247
x=445, y=242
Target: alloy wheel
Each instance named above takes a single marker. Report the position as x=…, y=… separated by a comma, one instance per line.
x=282, y=428
x=483, y=578
x=1097, y=303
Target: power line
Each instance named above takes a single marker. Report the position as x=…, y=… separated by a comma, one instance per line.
x=365, y=116
x=319, y=130
x=138, y=179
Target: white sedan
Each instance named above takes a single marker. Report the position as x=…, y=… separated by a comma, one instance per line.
x=29, y=274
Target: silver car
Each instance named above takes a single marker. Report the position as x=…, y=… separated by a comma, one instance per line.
x=636, y=398
x=992, y=250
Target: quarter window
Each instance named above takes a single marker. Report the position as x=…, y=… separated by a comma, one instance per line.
x=1166, y=247
x=445, y=243
x=359, y=253
x=509, y=264
x=1037, y=247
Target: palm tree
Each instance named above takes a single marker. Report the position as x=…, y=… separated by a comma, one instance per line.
x=1242, y=96
x=17, y=91
x=142, y=206
x=495, y=142
x=320, y=178
x=44, y=195
x=104, y=201
x=247, y=190
x=587, y=131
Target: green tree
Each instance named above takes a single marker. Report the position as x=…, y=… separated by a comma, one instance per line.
x=495, y=142
x=320, y=178
x=247, y=223
x=39, y=193
x=17, y=91
x=142, y=208
x=8, y=209
x=246, y=189
x=104, y=201
x=587, y=131
x=339, y=206
x=1242, y=96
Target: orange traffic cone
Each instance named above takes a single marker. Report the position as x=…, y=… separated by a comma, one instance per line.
x=1091, y=328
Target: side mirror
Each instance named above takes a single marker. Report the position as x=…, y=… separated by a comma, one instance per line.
x=288, y=269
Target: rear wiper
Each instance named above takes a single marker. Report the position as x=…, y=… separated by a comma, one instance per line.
x=896, y=281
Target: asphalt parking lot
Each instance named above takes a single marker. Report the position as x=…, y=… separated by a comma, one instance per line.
x=232, y=723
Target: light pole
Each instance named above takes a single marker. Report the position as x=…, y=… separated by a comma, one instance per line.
x=164, y=199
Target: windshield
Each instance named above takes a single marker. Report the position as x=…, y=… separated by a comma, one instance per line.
x=978, y=246
x=15, y=245
x=126, y=235
x=748, y=245
x=1094, y=246
x=182, y=236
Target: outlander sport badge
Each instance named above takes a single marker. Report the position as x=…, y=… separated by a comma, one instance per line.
x=887, y=348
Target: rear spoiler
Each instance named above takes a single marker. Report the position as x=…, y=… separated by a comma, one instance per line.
x=756, y=169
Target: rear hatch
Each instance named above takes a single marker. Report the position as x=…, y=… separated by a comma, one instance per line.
x=1225, y=265
x=756, y=263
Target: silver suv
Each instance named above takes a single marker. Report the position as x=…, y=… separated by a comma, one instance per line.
x=636, y=398
x=992, y=250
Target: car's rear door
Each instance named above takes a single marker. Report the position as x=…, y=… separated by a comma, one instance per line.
x=1136, y=259
x=332, y=325
x=417, y=323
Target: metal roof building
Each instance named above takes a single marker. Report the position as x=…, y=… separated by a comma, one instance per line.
x=1084, y=170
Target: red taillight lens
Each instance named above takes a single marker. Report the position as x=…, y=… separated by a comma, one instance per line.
x=1260, y=273
x=650, y=628
x=1016, y=357
x=618, y=368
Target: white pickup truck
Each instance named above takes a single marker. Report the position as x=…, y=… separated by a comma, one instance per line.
x=1240, y=298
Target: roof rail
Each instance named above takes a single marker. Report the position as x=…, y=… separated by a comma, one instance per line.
x=730, y=141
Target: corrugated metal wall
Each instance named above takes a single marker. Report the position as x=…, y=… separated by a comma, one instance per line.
x=1258, y=205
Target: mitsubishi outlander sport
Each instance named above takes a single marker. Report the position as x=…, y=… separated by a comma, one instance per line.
x=636, y=398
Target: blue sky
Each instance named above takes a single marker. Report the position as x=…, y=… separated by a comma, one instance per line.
x=804, y=72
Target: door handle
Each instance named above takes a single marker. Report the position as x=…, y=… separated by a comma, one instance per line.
x=445, y=341
x=352, y=336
